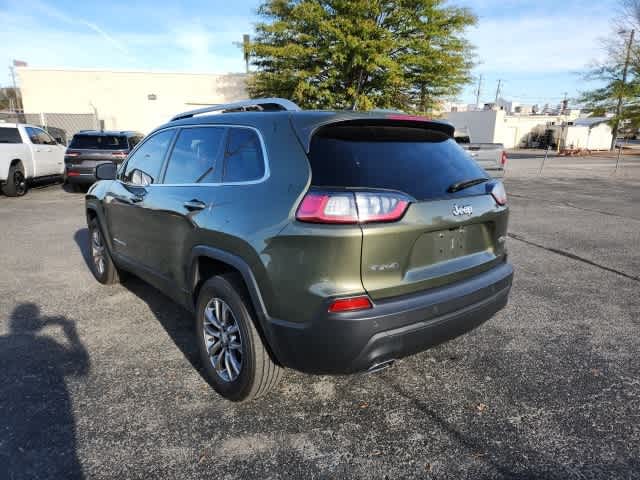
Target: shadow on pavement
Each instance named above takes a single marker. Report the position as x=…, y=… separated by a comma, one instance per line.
x=81, y=238
x=177, y=322
x=38, y=435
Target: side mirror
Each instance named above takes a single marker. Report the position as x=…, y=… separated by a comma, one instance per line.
x=106, y=171
x=59, y=140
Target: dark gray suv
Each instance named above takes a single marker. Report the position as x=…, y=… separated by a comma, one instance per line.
x=327, y=242
x=90, y=148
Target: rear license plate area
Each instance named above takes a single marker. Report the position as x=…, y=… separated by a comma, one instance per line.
x=450, y=243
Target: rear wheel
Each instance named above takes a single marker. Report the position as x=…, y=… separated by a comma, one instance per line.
x=16, y=185
x=102, y=265
x=235, y=361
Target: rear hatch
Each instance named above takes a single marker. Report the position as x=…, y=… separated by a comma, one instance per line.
x=446, y=234
x=88, y=150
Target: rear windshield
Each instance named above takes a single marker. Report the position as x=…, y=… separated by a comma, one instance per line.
x=99, y=142
x=10, y=135
x=422, y=163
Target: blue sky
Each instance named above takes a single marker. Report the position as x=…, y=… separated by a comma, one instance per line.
x=535, y=47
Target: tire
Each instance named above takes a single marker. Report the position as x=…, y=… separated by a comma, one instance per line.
x=16, y=184
x=74, y=187
x=254, y=370
x=101, y=264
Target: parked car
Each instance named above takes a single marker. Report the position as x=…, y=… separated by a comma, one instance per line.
x=90, y=148
x=490, y=156
x=327, y=242
x=27, y=153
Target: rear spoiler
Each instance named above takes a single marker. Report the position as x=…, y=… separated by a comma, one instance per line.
x=307, y=127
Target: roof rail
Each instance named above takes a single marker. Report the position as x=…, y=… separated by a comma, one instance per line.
x=260, y=104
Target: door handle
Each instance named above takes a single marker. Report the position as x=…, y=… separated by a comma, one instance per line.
x=193, y=205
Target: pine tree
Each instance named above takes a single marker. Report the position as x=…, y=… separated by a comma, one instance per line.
x=363, y=54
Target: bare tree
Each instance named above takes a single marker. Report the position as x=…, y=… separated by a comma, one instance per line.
x=631, y=13
x=619, y=72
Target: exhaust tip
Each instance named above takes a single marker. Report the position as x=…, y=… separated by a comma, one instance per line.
x=380, y=366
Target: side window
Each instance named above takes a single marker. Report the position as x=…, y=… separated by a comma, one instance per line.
x=133, y=141
x=10, y=135
x=143, y=167
x=40, y=137
x=195, y=155
x=48, y=139
x=243, y=160
x=33, y=135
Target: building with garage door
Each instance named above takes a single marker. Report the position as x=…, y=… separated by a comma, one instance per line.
x=124, y=100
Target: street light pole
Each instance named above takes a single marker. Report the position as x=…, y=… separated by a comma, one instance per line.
x=625, y=70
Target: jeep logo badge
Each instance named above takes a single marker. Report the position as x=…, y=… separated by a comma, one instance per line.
x=462, y=210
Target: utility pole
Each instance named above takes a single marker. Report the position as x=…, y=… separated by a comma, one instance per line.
x=246, y=40
x=498, y=91
x=245, y=44
x=95, y=116
x=625, y=70
x=15, y=89
x=478, y=91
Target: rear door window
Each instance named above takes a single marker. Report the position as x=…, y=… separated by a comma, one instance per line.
x=99, y=142
x=195, y=156
x=10, y=135
x=243, y=158
x=420, y=162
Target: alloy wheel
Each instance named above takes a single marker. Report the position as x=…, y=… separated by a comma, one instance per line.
x=20, y=182
x=97, y=251
x=222, y=339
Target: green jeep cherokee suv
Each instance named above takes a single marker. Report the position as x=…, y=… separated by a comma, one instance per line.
x=327, y=242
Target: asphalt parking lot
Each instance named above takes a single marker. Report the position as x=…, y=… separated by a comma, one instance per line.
x=102, y=382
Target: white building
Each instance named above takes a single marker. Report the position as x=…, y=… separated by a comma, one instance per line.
x=522, y=130
x=590, y=133
x=125, y=100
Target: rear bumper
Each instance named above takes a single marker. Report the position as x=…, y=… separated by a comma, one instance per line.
x=392, y=329
x=80, y=174
x=82, y=179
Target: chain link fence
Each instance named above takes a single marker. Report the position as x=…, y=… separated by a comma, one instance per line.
x=61, y=126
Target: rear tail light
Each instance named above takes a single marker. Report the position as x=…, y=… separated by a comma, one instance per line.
x=71, y=153
x=350, y=304
x=352, y=207
x=318, y=207
x=503, y=158
x=72, y=173
x=498, y=193
x=380, y=207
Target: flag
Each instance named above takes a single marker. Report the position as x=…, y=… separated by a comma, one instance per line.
x=19, y=63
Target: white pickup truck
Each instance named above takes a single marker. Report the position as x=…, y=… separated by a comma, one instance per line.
x=490, y=156
x=27, y=153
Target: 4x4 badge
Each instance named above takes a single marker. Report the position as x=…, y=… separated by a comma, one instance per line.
x=462, y=210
